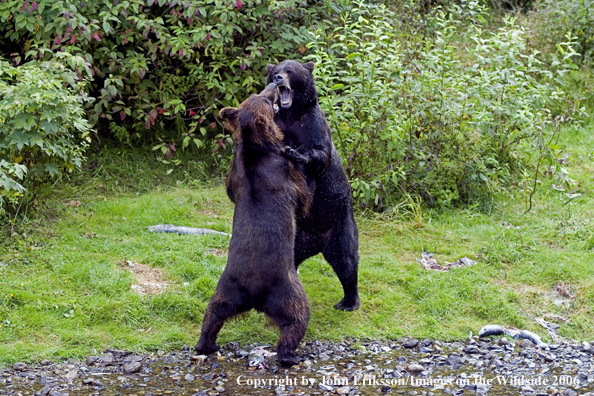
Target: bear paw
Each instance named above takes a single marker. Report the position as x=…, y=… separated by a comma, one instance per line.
x=295, y=155
x=348, y=304
x=206, y=349
x=289, y=359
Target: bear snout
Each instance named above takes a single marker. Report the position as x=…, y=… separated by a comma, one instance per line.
x=277, y=79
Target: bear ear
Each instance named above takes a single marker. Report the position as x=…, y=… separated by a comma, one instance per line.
x=309, y=66
x=261, y=120
x=229, y=113
x=269, y=67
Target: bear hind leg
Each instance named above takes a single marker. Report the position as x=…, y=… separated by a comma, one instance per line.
x=290, y=312
x=218, y=311
x=342, y=253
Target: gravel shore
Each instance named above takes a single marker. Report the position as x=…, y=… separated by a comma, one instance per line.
x=406, y=366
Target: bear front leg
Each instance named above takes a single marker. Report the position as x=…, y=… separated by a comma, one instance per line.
x=296, y=156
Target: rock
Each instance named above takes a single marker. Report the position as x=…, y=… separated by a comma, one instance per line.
x=343, y=390
x=91, y=360
x=189, y=377
x=132, y=367
x=45, y=362
x=45, y=391
x=454, y=361
x=569, y=392
x=324, y=387
x=323, y=357
x=72, y=374
x=108, y=358
x=410, y=343
x=471, y=349
x=20, y=366
x=415, y=368
x=523, y=343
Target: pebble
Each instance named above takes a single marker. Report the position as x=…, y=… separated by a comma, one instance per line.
x=108, y=358
x=178, y=372
x=525, y=344
x=91, y=360
x=410, y=343
x=132, y=367
x=415, y=368
x=471, y=349
x=20, y=366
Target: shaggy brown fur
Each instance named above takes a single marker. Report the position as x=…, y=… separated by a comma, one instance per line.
x=269, y=194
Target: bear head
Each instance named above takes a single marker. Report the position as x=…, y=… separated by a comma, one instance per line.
x=295, y=82
x=253, y=120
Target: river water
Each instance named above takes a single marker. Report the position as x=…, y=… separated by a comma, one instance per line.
x=347, y=368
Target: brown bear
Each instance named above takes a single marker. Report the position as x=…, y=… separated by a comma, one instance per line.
x=270, y=193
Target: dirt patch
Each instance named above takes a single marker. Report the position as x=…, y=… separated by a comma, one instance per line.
x=149, y=280
x=217, y=252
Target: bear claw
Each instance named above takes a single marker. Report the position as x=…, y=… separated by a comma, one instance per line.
x=288, y=360
x=347, y=306
x=295, y=155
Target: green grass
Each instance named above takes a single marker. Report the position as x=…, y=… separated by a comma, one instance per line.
x=63, y=294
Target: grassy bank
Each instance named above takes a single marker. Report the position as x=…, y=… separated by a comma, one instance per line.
x=65, y=285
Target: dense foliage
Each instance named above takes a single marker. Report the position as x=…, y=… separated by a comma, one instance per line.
x=420, y=99
x=160, y=60
x=550, y=20
x=42, y=124
x=449, y=125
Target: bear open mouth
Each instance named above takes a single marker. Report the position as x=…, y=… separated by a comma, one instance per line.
x=285, y=97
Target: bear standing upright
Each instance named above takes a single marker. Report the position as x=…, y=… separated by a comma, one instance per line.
x=269, y=194
x=330, y=227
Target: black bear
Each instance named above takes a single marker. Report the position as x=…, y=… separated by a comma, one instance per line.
x=269, y=193
x=330, y=227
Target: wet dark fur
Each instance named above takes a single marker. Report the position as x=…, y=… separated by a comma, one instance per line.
x=330, y=227
x=269, y=194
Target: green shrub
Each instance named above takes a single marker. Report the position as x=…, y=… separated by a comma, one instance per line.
x=450, y=125
x=550, y=20
x=42, y=124
x=162, y=65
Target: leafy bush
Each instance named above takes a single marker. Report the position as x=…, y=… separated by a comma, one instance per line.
x=450, y=125
x=550, y=21
x=161, y=65
x=42, y=124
